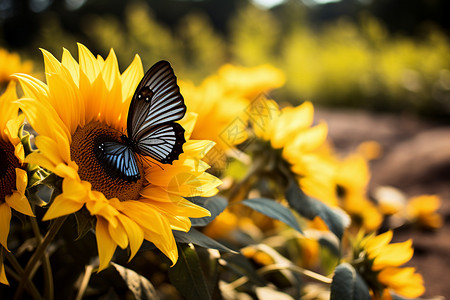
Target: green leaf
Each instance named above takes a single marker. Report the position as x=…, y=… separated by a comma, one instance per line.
x=197, y=238
x=308, y=207
x=215, y=205
x=140, y=287
x=348, y=285
x=273, y=210
x=187, y=275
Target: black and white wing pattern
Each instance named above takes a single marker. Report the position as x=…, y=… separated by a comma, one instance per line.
x=155, y=107
x=119, y=159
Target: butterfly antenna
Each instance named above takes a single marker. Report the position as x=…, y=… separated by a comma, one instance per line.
x=149, y=161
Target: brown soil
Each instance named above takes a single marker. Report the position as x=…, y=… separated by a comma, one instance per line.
x=416, y=159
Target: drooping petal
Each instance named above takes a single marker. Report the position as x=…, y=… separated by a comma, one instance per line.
x=394, y=255
x=61, y=207
x=134, y=232
x=118, y=234
x=403, y=281
x=3, y=278
x=5, y=219
x=105, y=244
x=17, y=199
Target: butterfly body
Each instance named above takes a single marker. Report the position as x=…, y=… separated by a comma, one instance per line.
x=152, y=130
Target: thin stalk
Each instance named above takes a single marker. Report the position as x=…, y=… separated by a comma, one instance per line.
x=18, y=273
x=84, y=282
x=54, y=228
x=295, y=269
x=270, y=268
x=45, y=260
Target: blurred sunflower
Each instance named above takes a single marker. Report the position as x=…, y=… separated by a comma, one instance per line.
x=11, y=63
x=379, y=263
x=221, y=102
x=289, y=143
x=352, y=179
x=422, y=210
x=88, y=100
x=13, y=177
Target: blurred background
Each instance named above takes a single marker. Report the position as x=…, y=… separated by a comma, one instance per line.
x=373, y=54
x=374, y=69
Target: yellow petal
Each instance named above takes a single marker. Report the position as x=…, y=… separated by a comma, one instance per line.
x=105, y=244
x=41, y=160
x=52, y=65
x=198, y=148
x=33, y=88
x=61, y=207
x=77, y=191
x=188, y=123
x=307, y=141
x=51, y=149
x=53, y=127
x=179, y=223
x=131, y=77
x=71, y=65
x=134, y=232
x=165, y=243
x=403, y=281
x=8, y=108
x=5, y=218
x=64, y=97
x=67, y=171
x=88, y=64
x=99, y=205
x=17, y=199
x=12, y=129
x=118, y=234
x=3, y=278
x=376, y=244
x=394, y=255
x=113, y=108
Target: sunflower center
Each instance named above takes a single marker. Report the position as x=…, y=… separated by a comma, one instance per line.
x=8, y=165
x=104, y=174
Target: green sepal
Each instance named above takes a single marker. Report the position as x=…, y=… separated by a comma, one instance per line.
x=25, y=139
x=85, y=222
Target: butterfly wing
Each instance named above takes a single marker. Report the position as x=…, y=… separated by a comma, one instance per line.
x=120, y=160
x=155, y=106
x=162, y=142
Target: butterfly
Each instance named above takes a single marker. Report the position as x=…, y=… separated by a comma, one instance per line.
x=151, y=129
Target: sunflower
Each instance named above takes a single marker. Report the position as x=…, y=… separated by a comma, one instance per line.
x=422, y=210
x=13, y=177
x=288, y=135
x=379, y=262
x=11, y=63
x=86, y=102
x=352, y=179
x=222, y=101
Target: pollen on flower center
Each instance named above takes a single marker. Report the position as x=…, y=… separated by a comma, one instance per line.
x=85, y=142
x=8, y=165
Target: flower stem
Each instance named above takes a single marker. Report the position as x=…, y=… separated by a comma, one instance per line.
x=296, y=269
x=84, y=282
x=18, y=273
x=45, y=260
x=270, y=268
x=54, y=228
